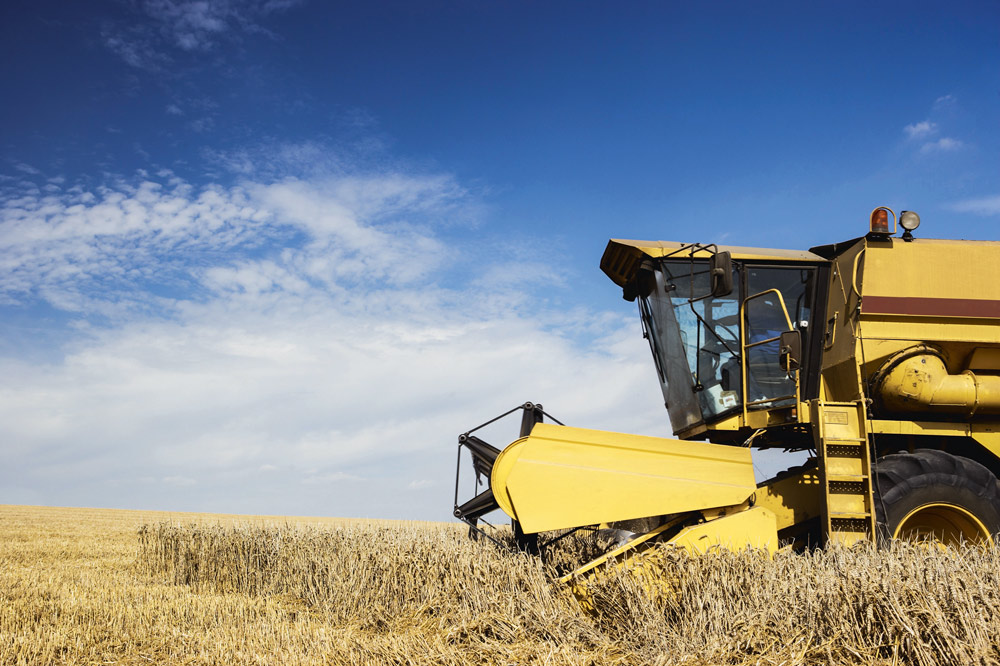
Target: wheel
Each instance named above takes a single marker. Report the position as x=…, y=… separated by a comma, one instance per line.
x=936, y=495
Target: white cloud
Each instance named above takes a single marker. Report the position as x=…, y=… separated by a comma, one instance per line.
x=338, y=392
x=920, y=130
x=194, y=23
x=187, y=26
x=136, y=45
x=82, y=245
x=942, y=145
x=205, y=124
x=921, y=133
x=981, y=206
x=419, y=484
x=320, y=329
x=103, y=244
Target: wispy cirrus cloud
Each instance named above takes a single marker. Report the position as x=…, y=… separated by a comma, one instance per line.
x=79, y=245
x=944, y=101
x=26, y=168
x=980, y=206
x=159, y=29
x=136, y=45
x=943, y=145
x=74, y=244
x=920, y=130
x=926, y=133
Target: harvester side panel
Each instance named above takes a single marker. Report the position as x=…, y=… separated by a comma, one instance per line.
x=841, y=379
x=797, y=501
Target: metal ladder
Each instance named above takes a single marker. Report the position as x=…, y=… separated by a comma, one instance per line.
x=845, y=470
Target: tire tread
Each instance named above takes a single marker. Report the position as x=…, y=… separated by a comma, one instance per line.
x=927, y=472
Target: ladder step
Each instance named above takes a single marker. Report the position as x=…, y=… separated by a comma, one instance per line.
x=847, y=504
x=848, y=478
x=850, y=516
x=842, y=443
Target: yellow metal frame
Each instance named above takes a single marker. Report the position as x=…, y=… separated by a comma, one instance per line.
x=627, y=550
x=734, y=528
x=793, y=498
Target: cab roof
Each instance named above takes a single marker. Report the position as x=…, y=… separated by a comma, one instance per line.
x=622, y=258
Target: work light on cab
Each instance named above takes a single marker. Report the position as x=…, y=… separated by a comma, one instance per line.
x=909, y=221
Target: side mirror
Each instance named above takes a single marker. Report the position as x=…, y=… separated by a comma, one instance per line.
x=790, y=351
x=720, y=267
x=643, y=284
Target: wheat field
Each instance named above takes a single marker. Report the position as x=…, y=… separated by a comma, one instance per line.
x=83, y=586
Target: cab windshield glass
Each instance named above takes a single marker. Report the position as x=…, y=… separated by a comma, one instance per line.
x=695, y=337
x=695, y=340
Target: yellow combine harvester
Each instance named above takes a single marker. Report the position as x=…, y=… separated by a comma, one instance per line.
x=880, y=356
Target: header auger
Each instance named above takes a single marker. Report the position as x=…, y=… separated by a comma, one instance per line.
x=879, y=356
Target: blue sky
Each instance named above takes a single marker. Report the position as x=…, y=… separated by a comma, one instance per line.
x=273, y=256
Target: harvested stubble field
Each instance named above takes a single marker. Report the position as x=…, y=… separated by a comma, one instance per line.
x=81, y=586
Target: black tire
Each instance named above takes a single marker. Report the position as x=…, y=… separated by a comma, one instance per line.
x=905, y=482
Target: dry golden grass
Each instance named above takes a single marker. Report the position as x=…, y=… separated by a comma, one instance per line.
x=115, y=587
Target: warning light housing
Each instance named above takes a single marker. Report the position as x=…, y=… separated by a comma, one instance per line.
x=878, y=228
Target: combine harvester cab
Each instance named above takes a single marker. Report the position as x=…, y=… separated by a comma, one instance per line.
x=879, y=356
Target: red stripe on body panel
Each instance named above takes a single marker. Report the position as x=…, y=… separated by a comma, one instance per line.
x=930, y=307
